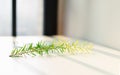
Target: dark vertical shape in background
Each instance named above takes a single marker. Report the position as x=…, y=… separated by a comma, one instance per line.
x=13, y=17
x=50, y=17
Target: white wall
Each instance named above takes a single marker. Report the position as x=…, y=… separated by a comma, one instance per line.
x=29, y=17
x=5, y=17
x=94, y=20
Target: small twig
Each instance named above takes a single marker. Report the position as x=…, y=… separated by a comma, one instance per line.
x=57, y=46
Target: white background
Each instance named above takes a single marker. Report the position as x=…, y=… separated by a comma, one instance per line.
x=94, y=20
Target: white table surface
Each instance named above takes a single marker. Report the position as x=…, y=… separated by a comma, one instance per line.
x=101, y=61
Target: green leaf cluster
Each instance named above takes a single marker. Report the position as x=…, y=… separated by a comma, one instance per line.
x=51, y=48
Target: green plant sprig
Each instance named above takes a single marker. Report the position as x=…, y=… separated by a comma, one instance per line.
x=52, y=47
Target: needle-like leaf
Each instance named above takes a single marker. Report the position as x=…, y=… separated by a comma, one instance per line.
x=52, y=47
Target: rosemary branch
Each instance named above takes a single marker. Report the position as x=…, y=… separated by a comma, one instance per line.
x=52, y=47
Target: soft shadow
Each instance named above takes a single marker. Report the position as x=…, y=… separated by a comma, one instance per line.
x=29, y=66
x=87, y=65
x=108, y=54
